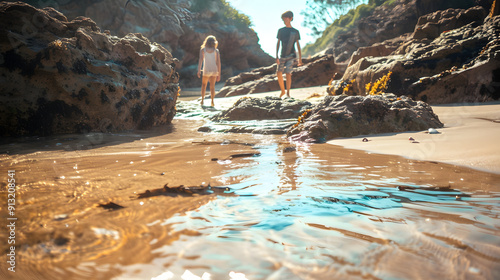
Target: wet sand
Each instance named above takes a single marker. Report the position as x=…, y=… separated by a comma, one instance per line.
x=292, y=210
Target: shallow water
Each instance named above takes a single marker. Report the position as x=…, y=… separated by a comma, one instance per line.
x=290, y=212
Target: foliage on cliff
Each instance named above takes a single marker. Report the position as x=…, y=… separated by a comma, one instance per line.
x=225, y=13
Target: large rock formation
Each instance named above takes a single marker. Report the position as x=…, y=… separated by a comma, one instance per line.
x=180, y=26
x=389, y=20
x=452, y=56
x=317, y=70
x=346, y=116
x=60, y=76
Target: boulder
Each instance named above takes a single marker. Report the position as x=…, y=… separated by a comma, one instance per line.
x=347, y=116
x=460, y=65
x=268, y=115
x=60, y=76
x=315, y=71
x=267, y=108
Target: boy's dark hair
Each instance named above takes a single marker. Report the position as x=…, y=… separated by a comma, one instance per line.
x=287, y=14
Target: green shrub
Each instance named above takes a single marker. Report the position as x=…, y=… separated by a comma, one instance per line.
x=225, y=14
x=233, y=16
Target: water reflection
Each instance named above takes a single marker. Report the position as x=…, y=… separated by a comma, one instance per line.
x=295, y=211
x=304, y=214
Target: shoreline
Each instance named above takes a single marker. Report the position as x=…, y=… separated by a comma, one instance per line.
x=468, y=138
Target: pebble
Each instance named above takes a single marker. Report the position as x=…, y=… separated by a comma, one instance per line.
x=433, y=131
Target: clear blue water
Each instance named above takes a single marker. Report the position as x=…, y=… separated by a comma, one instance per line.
x=310, y=212
x=304, y=215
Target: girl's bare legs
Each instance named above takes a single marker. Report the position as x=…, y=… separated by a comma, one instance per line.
x=204, y=81
x=212, y=80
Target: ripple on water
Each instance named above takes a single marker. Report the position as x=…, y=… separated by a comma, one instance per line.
x=292, y=215
x=333, y=221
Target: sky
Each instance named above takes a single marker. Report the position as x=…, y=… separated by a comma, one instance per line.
x=266, y=19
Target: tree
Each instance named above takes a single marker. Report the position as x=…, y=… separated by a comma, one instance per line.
x=319, y=14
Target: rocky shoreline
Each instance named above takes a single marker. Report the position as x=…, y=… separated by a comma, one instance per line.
x=71, y=77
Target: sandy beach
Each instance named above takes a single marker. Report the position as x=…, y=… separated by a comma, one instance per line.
x=469, y=138
x=112, y=168
x=95, y=206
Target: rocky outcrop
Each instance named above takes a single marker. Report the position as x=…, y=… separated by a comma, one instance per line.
x=180, y=26
x=347, y=116
x=439, y=65
x=60, y=76
x=389, y=20
x=267, y=108
x=431, y=26
x=268, y=115
x=315, y=71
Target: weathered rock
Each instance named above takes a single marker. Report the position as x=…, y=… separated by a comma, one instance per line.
x=376, y=50
x=432, y=25
x=460, y=65
x=391, y=21
x=347, y=116
x=317, y=70
x=268, y=115
x=178, y=27
x=385, y=23
x=60, y=76
x=267, y=108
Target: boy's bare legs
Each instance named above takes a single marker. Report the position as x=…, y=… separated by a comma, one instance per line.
x=281, y=83
x=212, y=80
x=204, y=81
x=288, y=83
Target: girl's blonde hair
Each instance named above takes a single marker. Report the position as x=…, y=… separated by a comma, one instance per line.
x=210, y=42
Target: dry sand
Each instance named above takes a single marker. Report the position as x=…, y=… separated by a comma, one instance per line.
x=469, y=137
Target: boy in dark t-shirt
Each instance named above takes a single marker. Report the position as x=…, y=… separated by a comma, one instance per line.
x=287, y=38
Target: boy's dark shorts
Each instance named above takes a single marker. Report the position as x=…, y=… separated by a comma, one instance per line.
x=286, y=65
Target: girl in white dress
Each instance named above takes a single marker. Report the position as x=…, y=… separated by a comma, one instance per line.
x=210, y=60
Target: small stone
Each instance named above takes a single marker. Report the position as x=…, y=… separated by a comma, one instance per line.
x=289, y=149
x=60, y=217
x=433, y=131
